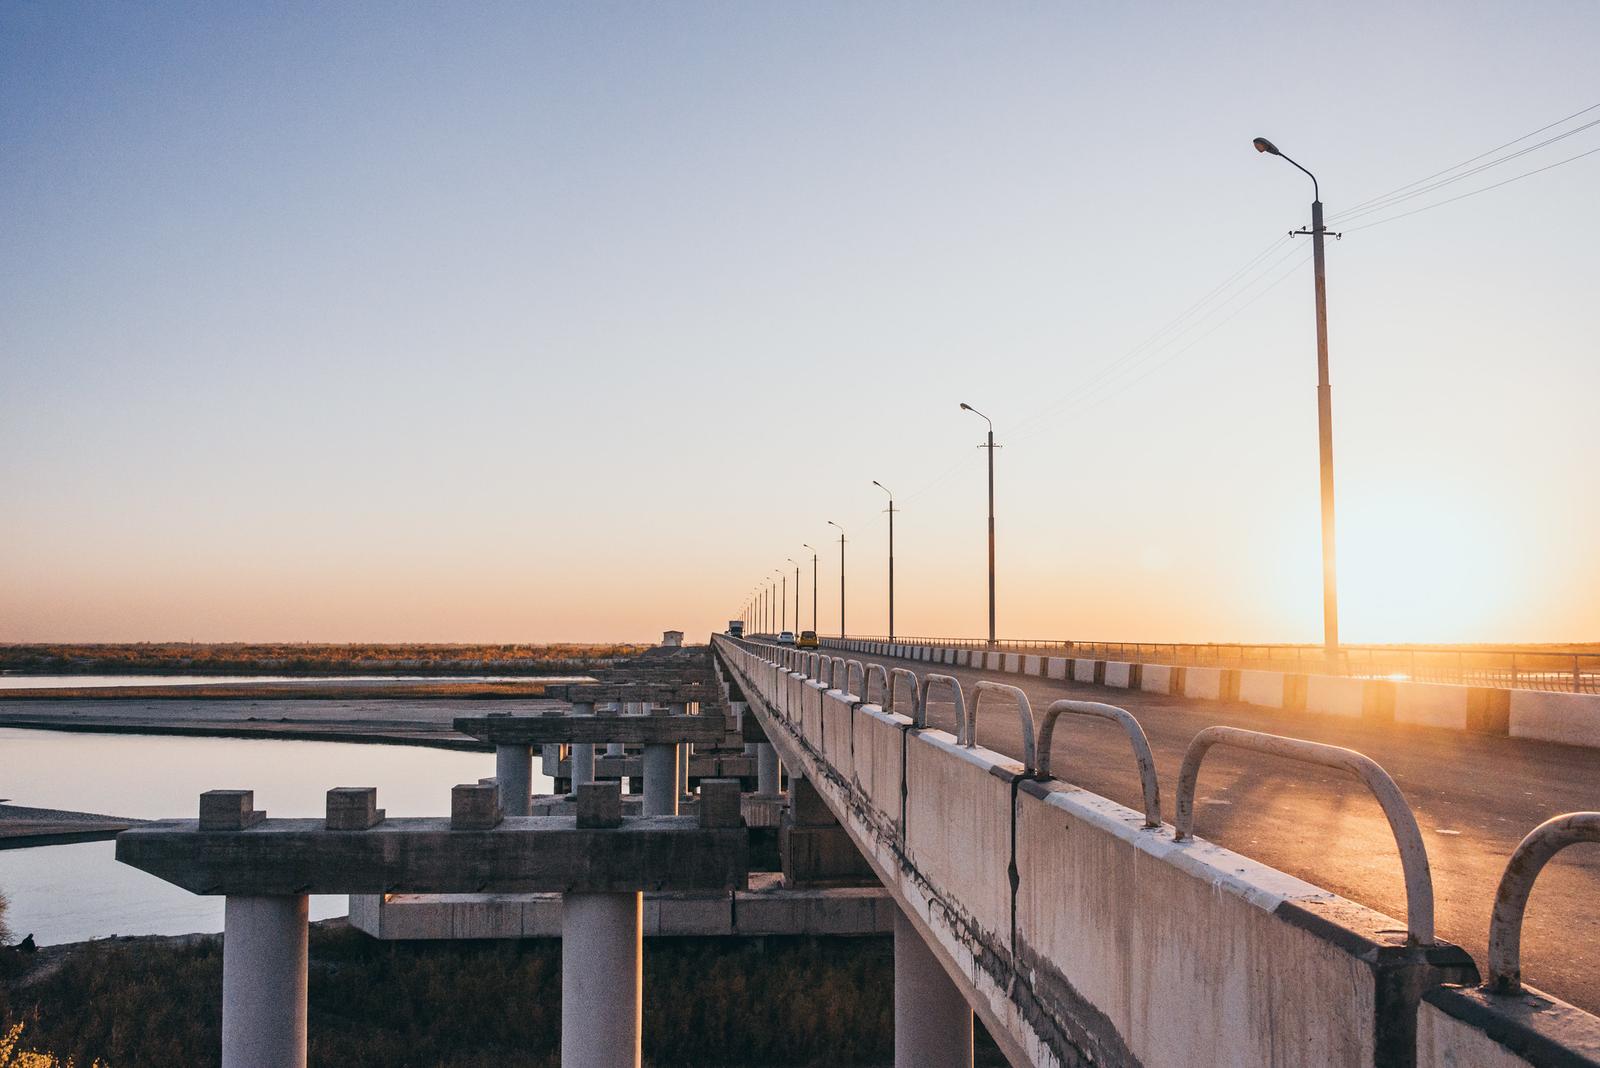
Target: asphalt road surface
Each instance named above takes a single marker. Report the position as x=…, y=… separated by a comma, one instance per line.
x=1474, y=796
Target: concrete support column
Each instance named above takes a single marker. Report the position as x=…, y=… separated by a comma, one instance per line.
x=264, y=982
x=602, y=980
x=616, y=749
x=582, y=764
x=932, y=1021
x=513, y=769
x=684, y=749
x=767, y=770
x=661, y=780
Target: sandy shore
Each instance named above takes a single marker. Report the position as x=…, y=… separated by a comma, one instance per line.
x=23, y=828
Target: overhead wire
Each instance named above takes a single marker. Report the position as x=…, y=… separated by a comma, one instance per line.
x=1473, y=193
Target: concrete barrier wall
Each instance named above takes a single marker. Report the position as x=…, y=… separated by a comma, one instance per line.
x=1572, y=718
x=966, y=858
x=1470, y=1028
x=1180, y=945
x=1335, y=696
x=1157, y=678
x=837, y=730
x=1079, y=935
x=1262, y=688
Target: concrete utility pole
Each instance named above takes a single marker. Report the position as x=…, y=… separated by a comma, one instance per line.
x=991, y=446
x=890, y=492
x=796, y=595
x=831, y=523
x=1330, y=583
x=814, y=626
x=783, y=605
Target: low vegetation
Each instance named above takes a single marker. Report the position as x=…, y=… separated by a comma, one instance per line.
x=232, y=658
x=730, y=1002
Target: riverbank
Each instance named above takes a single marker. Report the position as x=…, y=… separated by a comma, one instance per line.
x=25, y=828
x=738, y=1003
x=387, y=717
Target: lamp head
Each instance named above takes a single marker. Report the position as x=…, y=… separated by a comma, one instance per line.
x=966, y=407
x=1263, y=145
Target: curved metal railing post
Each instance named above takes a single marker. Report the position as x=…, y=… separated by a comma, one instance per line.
x=1123, y=718
x=836, y=672
x=1413, y=853
x=876, y=671
x=954, y=685
x=1511, y=899
x=854, y=670
x=1024, y=715
x=918, y=717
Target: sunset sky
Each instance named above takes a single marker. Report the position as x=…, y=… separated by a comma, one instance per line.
x=574, y=321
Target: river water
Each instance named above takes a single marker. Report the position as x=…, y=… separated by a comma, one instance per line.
x=78, y=682
x=67, y=893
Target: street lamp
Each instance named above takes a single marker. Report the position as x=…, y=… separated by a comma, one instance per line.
x=796, y=596
x=1330, y=584
x=890, y=492
x=991, y=446
x=831, y=523
x=814, y=626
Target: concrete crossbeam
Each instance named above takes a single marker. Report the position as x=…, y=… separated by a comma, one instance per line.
x=600, y=729
x=521, y=854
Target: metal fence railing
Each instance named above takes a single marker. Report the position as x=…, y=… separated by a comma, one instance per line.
x=1527, y=668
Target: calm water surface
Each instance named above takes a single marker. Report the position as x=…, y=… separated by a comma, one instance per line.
x=68, y=893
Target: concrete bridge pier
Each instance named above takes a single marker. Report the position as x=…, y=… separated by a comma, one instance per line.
x=932, y=1021
x=582, y=764
x=602, y=980
x=513, y=768
x=768, y=782
x=264, y=982
x=661, y=779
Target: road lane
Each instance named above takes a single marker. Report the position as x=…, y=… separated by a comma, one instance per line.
x=1474, y=796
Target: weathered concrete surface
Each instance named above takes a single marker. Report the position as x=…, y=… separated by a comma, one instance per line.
x=766, y=908
x=521, y=854
x=932, y=1021
x=952, y=877
x=264, y=954
x=1468, y=1028
x=1475, y=796
x=590, y=729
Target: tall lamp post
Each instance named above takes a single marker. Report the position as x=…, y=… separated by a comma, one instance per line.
x=796, y=596
x=890, y=492
x=814, y=626
x=991, y=446
x=1330, y=584
x=783, y=605
x=831, y=523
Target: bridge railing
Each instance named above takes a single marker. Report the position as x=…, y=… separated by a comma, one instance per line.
x=1572, y=671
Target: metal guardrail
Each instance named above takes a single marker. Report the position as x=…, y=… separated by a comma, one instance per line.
x=895, y=676
x=1123, y=718
x=1516, y=669
x=1413, y=853
x=1511, y=899
x=881, y=673
x=954, y=686
x=969, y=735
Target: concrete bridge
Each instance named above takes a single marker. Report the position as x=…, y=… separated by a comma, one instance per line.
x=1084, y=931
x=1079, y=929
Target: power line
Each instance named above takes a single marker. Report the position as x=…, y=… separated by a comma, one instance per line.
x=1392, y=201
x=1463, y=163
x=1474, y=192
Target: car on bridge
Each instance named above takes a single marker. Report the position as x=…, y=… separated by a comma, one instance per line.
x=807, y=640
x=786, y=638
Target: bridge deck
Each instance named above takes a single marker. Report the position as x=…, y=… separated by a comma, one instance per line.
x=1474, y=796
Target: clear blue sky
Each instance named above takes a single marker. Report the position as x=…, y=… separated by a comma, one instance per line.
x=573, y=321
